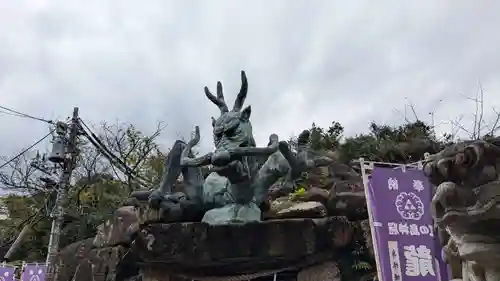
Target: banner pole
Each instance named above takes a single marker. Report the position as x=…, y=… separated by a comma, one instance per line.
x=370, y=219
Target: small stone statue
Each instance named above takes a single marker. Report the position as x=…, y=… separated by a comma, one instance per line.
x=466, y=207
x=236, y=189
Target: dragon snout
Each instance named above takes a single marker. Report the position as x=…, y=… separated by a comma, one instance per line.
x=443, y=166
x=428, y=169
x=444, y=197
x=450, y=196
x=470, y=156
x=438, y=171
x=453, y=167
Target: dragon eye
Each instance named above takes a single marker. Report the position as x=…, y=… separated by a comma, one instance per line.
x=218, y=132
x=230, y=132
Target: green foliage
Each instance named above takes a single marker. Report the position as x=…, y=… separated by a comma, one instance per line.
x=355, y=262
x=21, y=209
x=326, y=139
x=362, y=266
x=300, y=191
x=363, y=145
x=400, y=144
x=91, y=203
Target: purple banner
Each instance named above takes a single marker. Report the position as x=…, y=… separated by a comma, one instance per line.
x=404, y=233
x=7, y=273
x=33, y=272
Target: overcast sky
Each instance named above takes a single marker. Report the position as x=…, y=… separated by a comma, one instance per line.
x=306, y=61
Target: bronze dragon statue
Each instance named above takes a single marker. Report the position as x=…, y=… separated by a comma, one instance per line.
x=236, y=189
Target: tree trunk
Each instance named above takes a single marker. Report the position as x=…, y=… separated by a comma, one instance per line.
x=17, y=242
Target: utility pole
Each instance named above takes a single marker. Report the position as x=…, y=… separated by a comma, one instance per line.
x=64, y=151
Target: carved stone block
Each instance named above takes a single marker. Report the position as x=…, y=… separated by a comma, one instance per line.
x=226, y=250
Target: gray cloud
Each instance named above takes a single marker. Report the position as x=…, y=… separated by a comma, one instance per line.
x=350, y=61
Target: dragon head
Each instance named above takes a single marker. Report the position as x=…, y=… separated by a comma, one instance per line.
x=462, y=174
x=232, y=128
x=466, y=203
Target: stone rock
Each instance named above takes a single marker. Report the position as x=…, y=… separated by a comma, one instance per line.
x=341, y=172
x=344, y=232
x=98, y=258
x=279, y=190
x=233, y=213
x=149, y=215
x=325, y=271
x=277, y=205
x=333, y=154
x=215, y=190
x=303, y=210
x=347, y=198
x=71, y=256
x=81, y=261
x=319, y=177
x=116, y=230
x=343, y=187
x=100, y=264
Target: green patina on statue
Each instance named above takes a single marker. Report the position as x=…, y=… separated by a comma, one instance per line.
x=241, y=174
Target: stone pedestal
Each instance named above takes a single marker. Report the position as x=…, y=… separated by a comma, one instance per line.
x=201, y=251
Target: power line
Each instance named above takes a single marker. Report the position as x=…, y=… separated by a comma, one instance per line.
x=13, y=112
x=10, y=113
x=26, y=150
x=114, y=160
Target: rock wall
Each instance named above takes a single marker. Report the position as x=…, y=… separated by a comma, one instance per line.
x=107, y=256
x=338, y=187
x=335, y=190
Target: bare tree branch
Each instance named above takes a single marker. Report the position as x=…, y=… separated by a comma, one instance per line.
x=479, y=123
x=402, y=115
x=130, y=147
x=412, y=107
x=496, y=125
x=21, y=175
x=481, y=110
x=458, y=125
